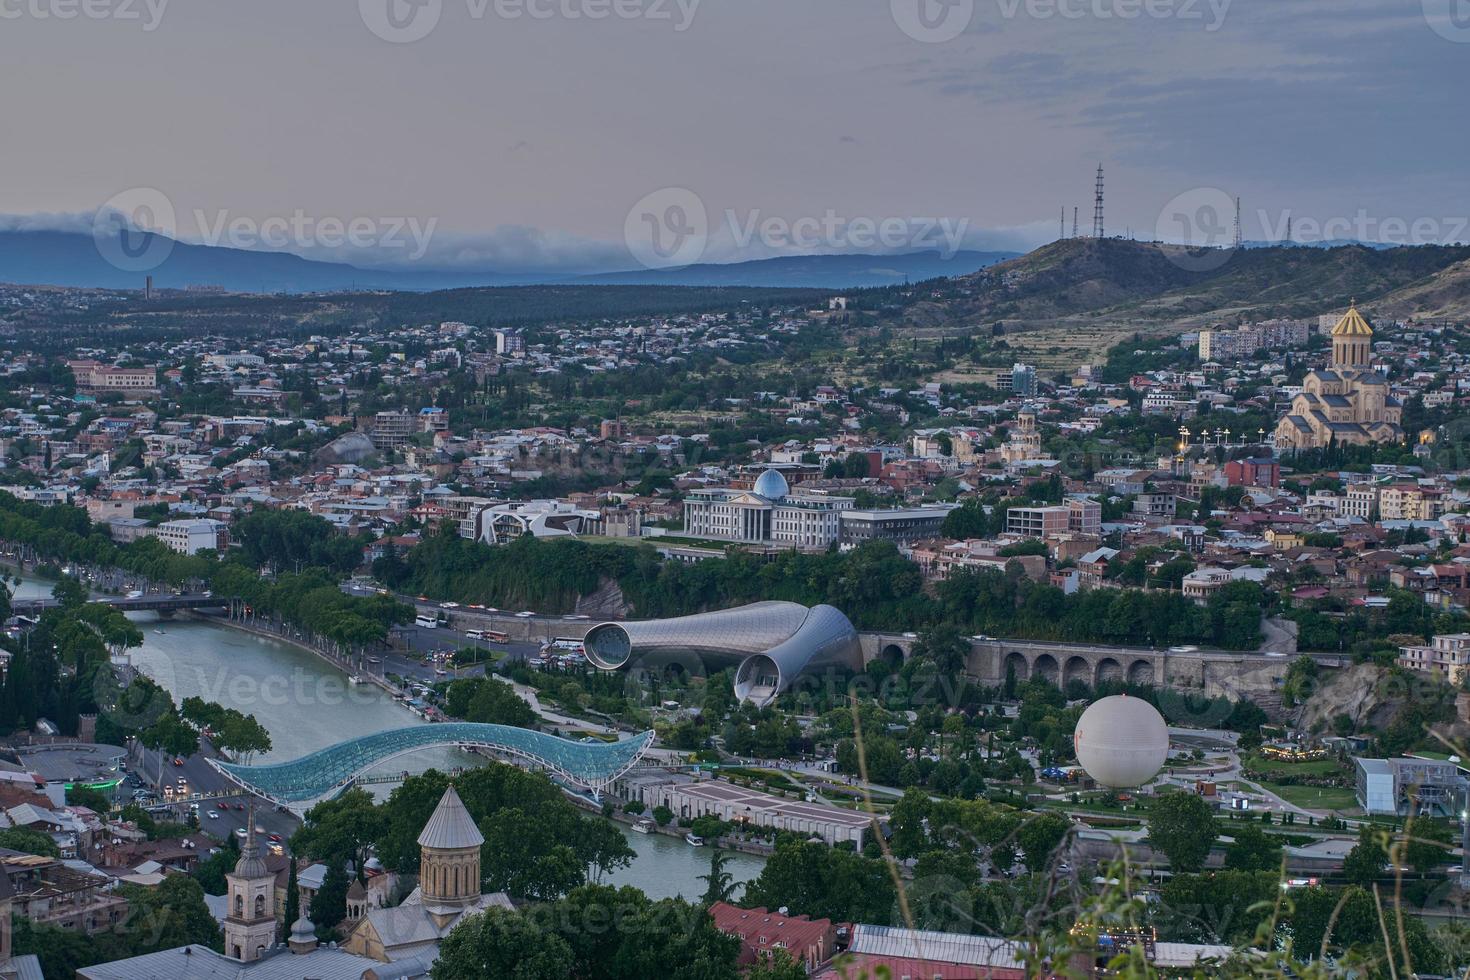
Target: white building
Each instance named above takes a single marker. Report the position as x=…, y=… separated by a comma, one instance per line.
x=1448, y=654
x=503, y=523
x=190, y=537
x=768, y=514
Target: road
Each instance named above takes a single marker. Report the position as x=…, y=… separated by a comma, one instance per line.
x=205, y=781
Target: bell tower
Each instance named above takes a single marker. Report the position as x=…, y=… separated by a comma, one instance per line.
x=449, y=861
x=1352, y=343
x=250, y=921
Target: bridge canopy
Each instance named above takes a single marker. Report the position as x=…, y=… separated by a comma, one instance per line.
x=592, y=764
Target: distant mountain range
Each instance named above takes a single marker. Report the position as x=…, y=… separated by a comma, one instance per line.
x=814, y=271
x=56, y=258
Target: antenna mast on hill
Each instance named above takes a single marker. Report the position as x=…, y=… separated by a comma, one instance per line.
x=1062, y=231
x=1097, y=210
x=1238, y=240
x=1074, y=221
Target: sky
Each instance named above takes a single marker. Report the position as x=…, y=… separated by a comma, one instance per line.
x=578, y=135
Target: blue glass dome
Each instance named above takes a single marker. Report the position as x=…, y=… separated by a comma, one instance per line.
x=772, y=485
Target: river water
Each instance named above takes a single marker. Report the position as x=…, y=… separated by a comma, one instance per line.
x=307, y=704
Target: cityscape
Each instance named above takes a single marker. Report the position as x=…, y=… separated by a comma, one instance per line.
x=460, y=519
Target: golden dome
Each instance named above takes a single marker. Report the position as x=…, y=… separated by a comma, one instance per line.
x=1352, y=325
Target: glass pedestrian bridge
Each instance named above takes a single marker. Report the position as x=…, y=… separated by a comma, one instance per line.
x=591, y=765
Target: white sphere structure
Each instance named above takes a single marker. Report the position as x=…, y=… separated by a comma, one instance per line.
x=1122, y=742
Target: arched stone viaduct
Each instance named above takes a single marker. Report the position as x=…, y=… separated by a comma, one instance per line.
x=1214, y=673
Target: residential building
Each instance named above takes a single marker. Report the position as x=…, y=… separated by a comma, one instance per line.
x=1023, y=380
x=1447, y=654
x=1078, y=515
x=392, y=430
x=809, y=942
x=1261, y=472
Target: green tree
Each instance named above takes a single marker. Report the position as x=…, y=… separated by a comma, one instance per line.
x=1366, y=861
x=29, y=842
x=811, y=878
x=169, y=915
x=1182, y=826
x=1252, y=849
x=94, y=800
x=329, y=904
x=500, y=943
x=1040, y=836
x=720, y=883
x=778, y=966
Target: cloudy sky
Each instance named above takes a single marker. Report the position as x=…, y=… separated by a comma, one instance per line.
x=523, y=134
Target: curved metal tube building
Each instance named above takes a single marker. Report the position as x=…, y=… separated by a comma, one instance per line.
x=770, y=644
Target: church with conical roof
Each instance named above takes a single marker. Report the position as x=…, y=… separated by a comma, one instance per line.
x=449, y=889
x=1347, y=403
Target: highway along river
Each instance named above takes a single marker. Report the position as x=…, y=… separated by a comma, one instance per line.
x=307, y=704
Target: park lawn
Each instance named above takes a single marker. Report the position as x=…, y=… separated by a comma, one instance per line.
x=1316, y=797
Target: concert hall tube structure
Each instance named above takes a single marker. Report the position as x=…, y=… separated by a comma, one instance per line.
x=770, y=644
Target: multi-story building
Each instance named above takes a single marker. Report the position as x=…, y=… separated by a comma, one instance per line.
x=510, y=343
x=1078, y=515
x=1447, y=654
x=1023, y=380
x=189, y=537
x=393, y=430
x=1202, y=583
x=1227, y=345
x=97, y=378
x=1263, y=472
x=1361, y=501
x=770, y=513
x=1408, y=502
x=904, y=524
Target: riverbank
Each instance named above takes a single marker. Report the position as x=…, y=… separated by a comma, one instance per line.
x=277, y=634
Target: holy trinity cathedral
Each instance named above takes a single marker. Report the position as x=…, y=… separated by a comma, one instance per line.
x=1349, y=402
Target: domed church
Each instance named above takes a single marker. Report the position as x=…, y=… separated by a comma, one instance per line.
x=1347, y=403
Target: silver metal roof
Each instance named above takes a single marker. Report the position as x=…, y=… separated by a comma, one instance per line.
x=451, y=827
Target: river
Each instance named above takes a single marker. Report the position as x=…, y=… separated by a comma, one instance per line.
x=307, y=704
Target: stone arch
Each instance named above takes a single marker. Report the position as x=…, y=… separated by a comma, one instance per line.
x=1016, y=663
x=1078, y=669
x=893, y=655
x=1109, y=671
x=1141, y=672
x=1047, y=668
